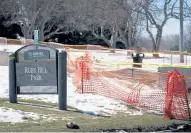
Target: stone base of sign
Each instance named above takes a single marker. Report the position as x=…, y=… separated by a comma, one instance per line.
x=4, y=58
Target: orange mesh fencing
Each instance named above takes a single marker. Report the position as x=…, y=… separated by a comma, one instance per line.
x=176, y=101
x=119, y=84
x=82, y=74
x=140, y=88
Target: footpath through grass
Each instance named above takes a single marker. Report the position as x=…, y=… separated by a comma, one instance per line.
x=87, y=123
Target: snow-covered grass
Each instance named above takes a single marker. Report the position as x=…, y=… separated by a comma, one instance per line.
x=16, y=116
x=10, y=48
x=85, y=102
x=88, y=103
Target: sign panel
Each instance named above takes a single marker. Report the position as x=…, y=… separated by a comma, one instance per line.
x=36, y=54
x=36, y=74
x=30, y=74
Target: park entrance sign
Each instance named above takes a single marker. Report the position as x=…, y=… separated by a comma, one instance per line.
x=38, y=69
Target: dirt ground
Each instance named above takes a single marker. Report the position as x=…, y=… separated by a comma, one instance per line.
x=183, y=127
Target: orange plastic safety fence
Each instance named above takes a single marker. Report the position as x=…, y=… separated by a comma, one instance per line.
x=152, y=100
x=118, y=86
x=176, y=101
x=141, y=89
x=101, y=86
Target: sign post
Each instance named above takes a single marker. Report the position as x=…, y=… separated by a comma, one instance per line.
x=12, y=79
x=36, y=37
x=38, y=71
x=62, y=80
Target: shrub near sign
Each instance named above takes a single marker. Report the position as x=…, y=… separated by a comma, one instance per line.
x=38, y=69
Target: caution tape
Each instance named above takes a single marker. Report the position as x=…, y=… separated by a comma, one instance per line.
x=159, y=53
x=106, y=48
x=163, y=52
x=144, y=64
x=76, y=50
x=131, y=63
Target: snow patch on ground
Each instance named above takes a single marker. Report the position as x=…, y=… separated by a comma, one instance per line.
x=16, y=116
x=84, y=102
x=4, y=84
x=50, y=118
x=10, y=48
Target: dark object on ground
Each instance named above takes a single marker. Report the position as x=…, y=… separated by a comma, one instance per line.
x=72, y=125
x=180, y=128
x=163, y=128
x=137, y=58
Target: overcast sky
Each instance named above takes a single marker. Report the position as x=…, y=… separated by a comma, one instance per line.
x=173, y=26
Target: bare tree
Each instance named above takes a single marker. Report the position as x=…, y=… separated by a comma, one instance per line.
x=31, y=15
x=101, y=17
x=3, y=7
x=157, y=14
x=110, y=20
x=134, y=23
x=106, y=15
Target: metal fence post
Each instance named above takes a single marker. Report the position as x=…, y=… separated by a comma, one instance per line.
x=12, y=79
x=62, y=80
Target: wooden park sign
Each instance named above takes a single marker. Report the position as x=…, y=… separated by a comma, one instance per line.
x=38, y=69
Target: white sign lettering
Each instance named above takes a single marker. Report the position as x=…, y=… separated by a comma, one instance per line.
x=36, y=77
x=30, y=70
x=35, y=72
x=38, y=54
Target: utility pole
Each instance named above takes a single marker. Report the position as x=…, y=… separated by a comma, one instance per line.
x=181, y=40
